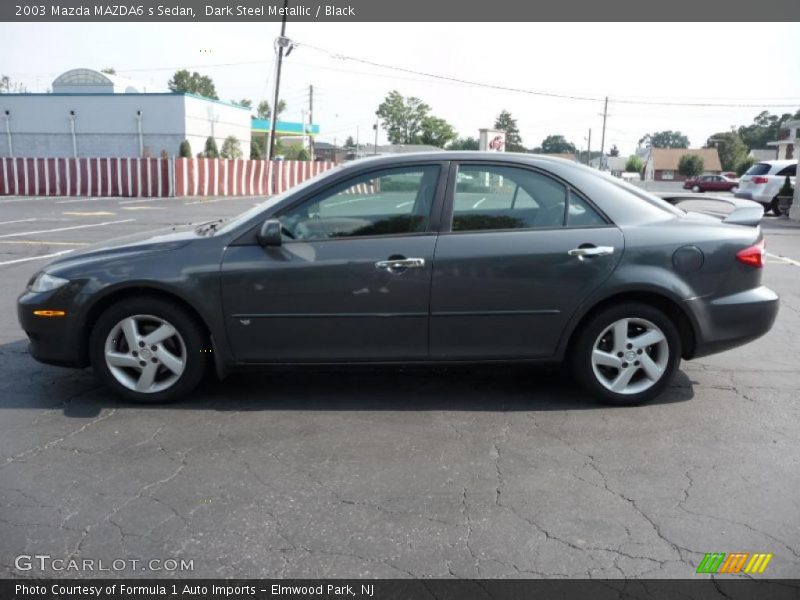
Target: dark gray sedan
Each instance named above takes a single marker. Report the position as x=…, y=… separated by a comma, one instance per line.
x=430, y=258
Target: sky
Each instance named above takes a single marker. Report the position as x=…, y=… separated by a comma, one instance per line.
x=628, y=62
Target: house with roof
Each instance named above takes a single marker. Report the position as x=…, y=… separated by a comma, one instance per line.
x=615, y=165
x=788, y=139
x=662, y=163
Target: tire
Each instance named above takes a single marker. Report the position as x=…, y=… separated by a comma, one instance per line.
x=596, y=373
x=734, y=189
x=163, y=370
x=773, y=206
x=696, y=189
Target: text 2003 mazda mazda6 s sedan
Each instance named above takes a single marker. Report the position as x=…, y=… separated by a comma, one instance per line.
x=434, y=258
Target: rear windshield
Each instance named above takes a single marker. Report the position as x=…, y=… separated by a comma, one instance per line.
x=758, y=169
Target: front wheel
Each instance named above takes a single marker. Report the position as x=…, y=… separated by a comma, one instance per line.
x=627, y=354
x=148, y=350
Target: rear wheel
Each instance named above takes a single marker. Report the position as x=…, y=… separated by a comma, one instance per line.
x=773, y=206
x=696, y=189
x=734, y=189
x=148, y=350
x=627, y=354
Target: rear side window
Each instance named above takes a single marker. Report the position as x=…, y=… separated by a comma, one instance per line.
x=490, y=197
x=758, y=169
x=581, y=214
x=791, y=171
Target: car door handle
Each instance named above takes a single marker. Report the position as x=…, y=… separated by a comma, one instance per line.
x=582, y=253
x=400, y=263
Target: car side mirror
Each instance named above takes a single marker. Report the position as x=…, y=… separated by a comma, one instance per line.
x=270, y=233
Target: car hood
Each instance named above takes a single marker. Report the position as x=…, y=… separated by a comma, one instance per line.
x=158, y=240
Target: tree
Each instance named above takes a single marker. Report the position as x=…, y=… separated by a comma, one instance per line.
x=349, y=142
x=264, y=109
x=231, y=147
x=255, y=150
x=665, y=139
x=765, y=128
x=468, y=143
x=555, y=144
x=730, y=147
x=185, y=149
x=436, y=132
x=614, y=151
x=691, y=165
x=402, y=118
x=243, y=102
x=193, y=83
x=211, y=148
x=7, y=86
x=505, y=122
x=634, y=165
x=109, y=71
x=742, y=167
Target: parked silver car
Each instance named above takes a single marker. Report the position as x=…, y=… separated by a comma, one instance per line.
x=763, y=180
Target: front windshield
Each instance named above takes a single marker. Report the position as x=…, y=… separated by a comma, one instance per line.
x=233, y=223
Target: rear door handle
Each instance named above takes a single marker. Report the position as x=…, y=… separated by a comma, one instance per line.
x=400, y=263
x=590, y=251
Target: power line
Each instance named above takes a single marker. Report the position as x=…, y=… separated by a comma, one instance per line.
x=562, y=96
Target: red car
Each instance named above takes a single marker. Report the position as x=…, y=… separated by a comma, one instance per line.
x=711, y=183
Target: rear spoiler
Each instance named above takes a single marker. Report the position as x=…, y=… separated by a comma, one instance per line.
x=735, y=211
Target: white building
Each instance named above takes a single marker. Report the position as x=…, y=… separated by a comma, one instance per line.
x=92, y=114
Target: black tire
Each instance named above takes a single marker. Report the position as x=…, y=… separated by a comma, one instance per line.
x=191, y=333
x=773, y=206
x=582, y=349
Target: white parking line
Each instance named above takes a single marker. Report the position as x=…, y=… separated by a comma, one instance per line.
x=479, y=202
x=143, y=200
x=73, y=201
x=21, y=260
x=17, y=221
x=784, y=259
x=24, y=233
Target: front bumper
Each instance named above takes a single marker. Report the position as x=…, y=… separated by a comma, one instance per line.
x=53, y=340
x=730, y=321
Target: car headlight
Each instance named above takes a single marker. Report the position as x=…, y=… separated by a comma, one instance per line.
x=44, y=282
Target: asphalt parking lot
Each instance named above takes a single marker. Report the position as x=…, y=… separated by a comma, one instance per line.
x=494, y=472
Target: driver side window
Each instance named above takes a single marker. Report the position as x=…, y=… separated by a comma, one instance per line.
x=386, y=202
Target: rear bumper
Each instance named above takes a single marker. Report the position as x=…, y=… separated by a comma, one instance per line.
x=754, y=197
x=730, y=321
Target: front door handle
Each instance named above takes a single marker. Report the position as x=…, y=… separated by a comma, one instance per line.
x=396, y=264
x=590, y=251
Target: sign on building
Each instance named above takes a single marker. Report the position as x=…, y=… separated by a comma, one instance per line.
x=492, y=140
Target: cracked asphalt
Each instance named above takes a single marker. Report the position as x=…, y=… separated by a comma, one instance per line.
x=491, y=472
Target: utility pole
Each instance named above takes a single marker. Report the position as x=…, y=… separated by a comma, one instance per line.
x=310, y=120
x=603, y=138
x=589, y=149
x=375, y=127
x=281, y=44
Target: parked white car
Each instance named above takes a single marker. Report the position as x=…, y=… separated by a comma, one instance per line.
x=763, y=180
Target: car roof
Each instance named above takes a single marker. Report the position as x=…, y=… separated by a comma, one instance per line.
x=777, y=163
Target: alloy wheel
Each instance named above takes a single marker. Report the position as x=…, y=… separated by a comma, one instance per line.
x=630, y=356
x=145, y=353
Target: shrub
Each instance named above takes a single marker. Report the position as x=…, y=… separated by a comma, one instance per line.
x=231, y=147
x=691, y=165
x=185, y=149
x=211, y=148
x=255, y=150
x=634, y=165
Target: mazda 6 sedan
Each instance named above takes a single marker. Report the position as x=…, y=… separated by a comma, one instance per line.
x=443, y=258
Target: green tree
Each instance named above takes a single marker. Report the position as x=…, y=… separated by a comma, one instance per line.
x=691, y=165
x=193, y=83
x=555, y=144
x=764, y=129
x=264, y=109
x=436, y=132
x=255, y=150
x=730, y=147
x=231, y=147
x=665, y=139
x=402, y=118
x=468, y=143
x=746, y=163
x=109, y=71
x=349, y=142
x=243, y=102
x=211, y=148
x=505, y=122
x=185, y=149
x=634, y=165
x=614, y=151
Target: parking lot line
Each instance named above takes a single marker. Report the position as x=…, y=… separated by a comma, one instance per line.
x=74, y=200
x=97, y=213
x=23, y=233
x=17, y=221
x=29, y=258
x=784, y=259
x=43, y=242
